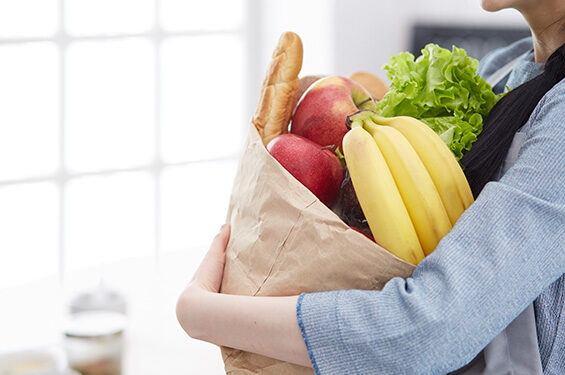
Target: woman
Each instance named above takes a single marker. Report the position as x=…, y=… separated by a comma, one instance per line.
x=505, y=252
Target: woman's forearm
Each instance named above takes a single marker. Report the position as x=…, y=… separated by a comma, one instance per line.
x=262, y=325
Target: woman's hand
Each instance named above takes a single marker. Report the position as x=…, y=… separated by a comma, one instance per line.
x=263, y=325
x=206, y=280
x=208, y=276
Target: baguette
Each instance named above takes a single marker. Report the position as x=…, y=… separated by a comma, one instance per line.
x=279, y=89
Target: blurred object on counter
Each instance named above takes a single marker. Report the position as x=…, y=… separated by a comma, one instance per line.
x=94, y=342
x=94, y=333
x=101, y=298
x=476, y=40
x=33, y=362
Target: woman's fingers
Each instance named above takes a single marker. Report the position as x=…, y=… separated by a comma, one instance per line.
x=220, y=242
x=209, y=274
x=207, y=278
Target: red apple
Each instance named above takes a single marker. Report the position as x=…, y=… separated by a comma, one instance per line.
x=315, y=167
x=323, y=109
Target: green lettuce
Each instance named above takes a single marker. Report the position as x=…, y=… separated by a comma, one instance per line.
x=441, y=88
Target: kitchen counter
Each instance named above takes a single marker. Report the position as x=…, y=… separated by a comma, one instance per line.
x=32, y=316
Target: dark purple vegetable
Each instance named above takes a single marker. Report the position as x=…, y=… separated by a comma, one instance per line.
x=347, y=206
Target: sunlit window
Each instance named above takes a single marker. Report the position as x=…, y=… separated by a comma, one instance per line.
x=120, y=128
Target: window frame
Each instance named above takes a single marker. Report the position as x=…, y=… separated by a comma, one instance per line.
x=248, y=33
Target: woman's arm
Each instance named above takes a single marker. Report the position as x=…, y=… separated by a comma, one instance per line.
x=502, y=253
x=263, y=325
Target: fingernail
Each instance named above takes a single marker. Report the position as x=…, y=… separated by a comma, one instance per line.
x=223, y=227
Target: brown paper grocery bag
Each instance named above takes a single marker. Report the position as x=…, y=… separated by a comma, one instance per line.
x=284, y=241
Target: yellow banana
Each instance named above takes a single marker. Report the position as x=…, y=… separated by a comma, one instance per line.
x=416, y=187
x=379, y=197
x=442, y=166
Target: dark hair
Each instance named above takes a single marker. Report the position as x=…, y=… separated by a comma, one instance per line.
x=483, y=161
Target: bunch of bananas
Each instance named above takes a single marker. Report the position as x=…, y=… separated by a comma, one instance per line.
x=408, y=183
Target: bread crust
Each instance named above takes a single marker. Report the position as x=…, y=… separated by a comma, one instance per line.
x=279, y=89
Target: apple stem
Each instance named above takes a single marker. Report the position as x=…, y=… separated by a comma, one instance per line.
x=332, y=148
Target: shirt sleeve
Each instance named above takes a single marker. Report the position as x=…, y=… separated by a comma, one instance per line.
x=501, y=254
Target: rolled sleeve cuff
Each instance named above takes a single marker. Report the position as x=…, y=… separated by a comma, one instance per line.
x=318, y=322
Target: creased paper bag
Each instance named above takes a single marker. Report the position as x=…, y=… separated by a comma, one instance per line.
x=284, y=241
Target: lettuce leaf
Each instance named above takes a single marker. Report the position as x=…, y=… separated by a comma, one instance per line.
x=441, y=88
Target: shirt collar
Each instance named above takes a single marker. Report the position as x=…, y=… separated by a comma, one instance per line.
x=525, y=70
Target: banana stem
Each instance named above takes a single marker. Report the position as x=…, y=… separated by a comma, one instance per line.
x=355, y=124
x=358, y=116
x=380, y=120
x=366, y=119
x=369, y=125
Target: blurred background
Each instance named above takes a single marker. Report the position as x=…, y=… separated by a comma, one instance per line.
x=121, y=122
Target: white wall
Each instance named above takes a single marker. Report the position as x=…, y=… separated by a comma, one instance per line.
x=368, y=31
x=342, y=36
x=313, y=20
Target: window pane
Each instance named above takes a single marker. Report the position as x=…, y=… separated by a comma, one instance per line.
x=110, y=104
x=109, y=218
x=97, y=17
x=30, y=230
x=202, y=95
x=29, y=98
x=177, y=15
x=194, y=202
x=28, y=18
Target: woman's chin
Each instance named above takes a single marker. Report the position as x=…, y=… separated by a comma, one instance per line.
x=489, y=5
x=496, y=5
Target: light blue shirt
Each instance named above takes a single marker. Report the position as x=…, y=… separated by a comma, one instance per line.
x=506, y=251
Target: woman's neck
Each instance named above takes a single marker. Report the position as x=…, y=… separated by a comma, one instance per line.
x=548, y=27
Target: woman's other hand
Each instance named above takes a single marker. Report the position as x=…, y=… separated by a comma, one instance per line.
x=262, y=325
x=206, y=280
x=208, y=276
